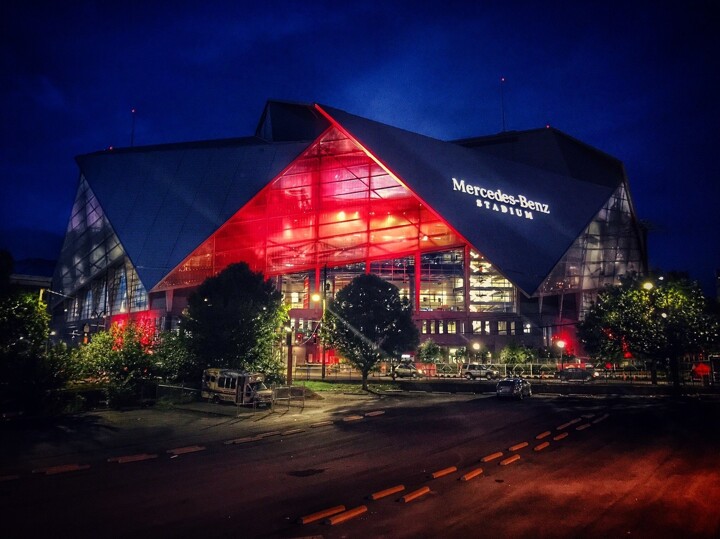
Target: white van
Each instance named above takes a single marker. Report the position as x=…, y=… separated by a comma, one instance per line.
x=229, y=385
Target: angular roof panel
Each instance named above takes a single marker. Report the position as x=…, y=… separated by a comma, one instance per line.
x=163, y=201
x=521, y=199
x=521, y=218
x=552, y=150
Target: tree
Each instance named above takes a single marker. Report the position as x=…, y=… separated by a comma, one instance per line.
x=232, y=321
x=174, y=360
x=367, y=321
x=29, y=369
x=429, y=352
x=516, y=354
x=475, y=353
x=122, y=358
x=661, y=319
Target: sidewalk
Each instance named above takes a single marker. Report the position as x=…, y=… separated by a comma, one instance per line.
x=98, y=435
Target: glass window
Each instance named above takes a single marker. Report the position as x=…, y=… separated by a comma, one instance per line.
x=489, y=291
x=334, y=203
x=609, y=248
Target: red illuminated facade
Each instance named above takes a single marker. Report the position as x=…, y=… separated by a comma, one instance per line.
x=330, y=208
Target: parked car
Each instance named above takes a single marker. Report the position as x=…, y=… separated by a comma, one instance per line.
x=517, y=388
x=577, y=374
x=407, y=370
x=472, y=371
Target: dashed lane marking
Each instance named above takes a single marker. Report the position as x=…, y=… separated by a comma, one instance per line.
x=471, y=474
x=292, y=431
x=569, y=423
x=52, y=470
x=415, y=494
x=491, y=456
x=386, y=492
x=541, y=446
x=132, y=458
x=330, y=511
x=443, y=472
x=184, y=450
x=518, y=446
x=321, y=424
x=244, y=440
x=347, y=515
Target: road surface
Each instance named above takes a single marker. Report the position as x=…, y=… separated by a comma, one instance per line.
x=612, y=467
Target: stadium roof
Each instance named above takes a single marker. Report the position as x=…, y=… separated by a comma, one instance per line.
x=519, y=198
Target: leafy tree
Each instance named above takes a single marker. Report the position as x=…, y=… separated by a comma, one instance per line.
x=174, y=360
x=472, y=354
x=660, y=319
x=430, y=352
x=29, y=369
x=122, y=357
x=232, y=321
x=516, y=354
x=367, y=321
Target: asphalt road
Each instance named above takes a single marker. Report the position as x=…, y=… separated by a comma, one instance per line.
x=613, y=467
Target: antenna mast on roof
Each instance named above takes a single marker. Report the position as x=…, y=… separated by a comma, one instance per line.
x=132, y=130
x=502, y=101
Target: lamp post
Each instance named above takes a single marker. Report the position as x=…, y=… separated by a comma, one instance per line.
x=561, y=346
x=289, y=343
x=316, y=297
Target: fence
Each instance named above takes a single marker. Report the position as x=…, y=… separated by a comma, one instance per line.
x=288, y=396
x=540, y=371
x=177, y=393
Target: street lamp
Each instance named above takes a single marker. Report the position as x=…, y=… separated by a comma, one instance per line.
x=561, y=345
x=316, y=297
x=289, y=343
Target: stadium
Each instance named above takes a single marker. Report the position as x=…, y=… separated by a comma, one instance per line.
x=491, y=240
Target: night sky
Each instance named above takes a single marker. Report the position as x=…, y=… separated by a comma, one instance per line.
x=638, y=80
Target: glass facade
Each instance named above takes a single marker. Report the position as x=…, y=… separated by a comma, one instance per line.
x=335, y=213
x=334, y=205
x=608, y=248
x=489, y=291
x=93, y=269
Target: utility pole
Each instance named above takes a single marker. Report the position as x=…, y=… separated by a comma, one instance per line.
x=324, y=299
x=132, y=130
x=289, y=342
x=502, y=101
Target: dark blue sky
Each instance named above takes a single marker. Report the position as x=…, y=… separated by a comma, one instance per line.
x=638, y=80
